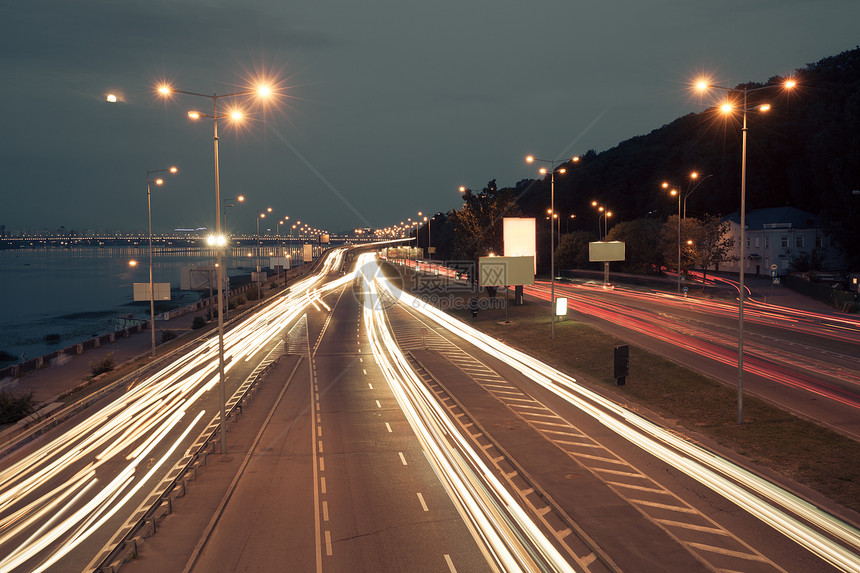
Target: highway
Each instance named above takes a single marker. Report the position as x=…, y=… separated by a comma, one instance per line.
x=805, y=362
x=402, y=439
x=64, y=496
x=616, y=492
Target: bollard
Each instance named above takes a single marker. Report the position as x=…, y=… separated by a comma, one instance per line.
x=622, y=364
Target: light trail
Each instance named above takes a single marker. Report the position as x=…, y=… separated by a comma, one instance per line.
x=768, y=362
x=507, y=536
x=70, y=488
x=785, y=512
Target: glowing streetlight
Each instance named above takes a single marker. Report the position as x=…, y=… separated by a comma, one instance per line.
x=219, y=241
x=676, y=190
x=728, y=108
x=552, y=172
x=159, y=181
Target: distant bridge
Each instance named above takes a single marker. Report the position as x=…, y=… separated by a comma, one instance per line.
x=181, y=240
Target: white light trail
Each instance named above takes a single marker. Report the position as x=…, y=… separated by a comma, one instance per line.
x=715, y=472
x=112, y=442
x=503, y=530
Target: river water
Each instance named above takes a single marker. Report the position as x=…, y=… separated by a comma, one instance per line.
x=79, y=293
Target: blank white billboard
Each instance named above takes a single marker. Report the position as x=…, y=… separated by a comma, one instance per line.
x=520, y=238
x=161, y=291
x=506, y=271
x=606, y=251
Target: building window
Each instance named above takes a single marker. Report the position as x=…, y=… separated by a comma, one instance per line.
x=818, y=242
x=799, y=241
x=757, y=240
x=748, y=240
x=767, y=242
x=784, y=241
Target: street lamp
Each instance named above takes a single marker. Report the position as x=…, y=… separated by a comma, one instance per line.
x=552, y=172
x=159, y=181
x=727, y=108
x=260, y=248
x=429, y=245
x=229, y=203
x=676, y=190
x=218, y=239
x=569, y=219
x=605, y=213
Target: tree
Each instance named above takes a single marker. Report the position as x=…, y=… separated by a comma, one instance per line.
x=668, y=242
x=572, y=250
x=711, y=243
x=639, y=237
x=478, y=225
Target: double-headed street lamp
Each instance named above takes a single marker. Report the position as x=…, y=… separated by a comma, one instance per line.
x=552, y=172
x=729, y=107
x=605, y=213
x=159, y=181
x=218, y=240
x=676, y=190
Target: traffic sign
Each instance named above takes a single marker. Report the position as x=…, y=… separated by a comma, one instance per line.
x=773, y=273
x=773, y=267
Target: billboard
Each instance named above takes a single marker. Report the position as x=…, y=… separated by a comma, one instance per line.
x=161, y=291
x=506, y=271
x=519, y=238
x=606, y=251
x=198, y=278
x=283, y=262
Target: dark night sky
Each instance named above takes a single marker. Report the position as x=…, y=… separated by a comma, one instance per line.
x=387, y=107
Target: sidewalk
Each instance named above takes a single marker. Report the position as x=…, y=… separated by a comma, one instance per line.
x=51, y=381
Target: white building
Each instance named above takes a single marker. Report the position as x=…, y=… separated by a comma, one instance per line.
x=774, y=237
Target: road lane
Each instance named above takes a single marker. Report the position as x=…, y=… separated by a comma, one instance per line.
x=383, y=507
x=800, y=522
x=818, y=380
x=64, y=496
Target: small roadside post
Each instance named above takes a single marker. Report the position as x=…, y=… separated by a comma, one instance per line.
x=622, y=364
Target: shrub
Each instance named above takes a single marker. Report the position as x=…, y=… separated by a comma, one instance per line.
x=106, y=364
x=198, y=322
x=167, y=335
x=253, y=294
x=14, y=407
x=52, y=338
x=240, y=300
x=6, y=357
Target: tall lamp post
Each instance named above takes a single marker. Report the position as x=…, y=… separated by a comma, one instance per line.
x=218, y=240
x=429, y=244
x=728, y=107
x=229, y=203
x=605, y=213
x=552, y=172
x=159, y=181
x=676, y=190
x=260, y=247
